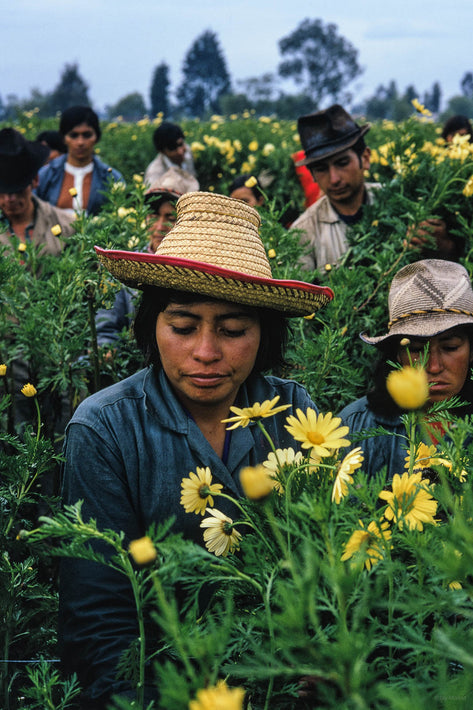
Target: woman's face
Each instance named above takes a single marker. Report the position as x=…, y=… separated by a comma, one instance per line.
x=448, y=363
x=207, y=351
x=80, y=142
x=247, y=195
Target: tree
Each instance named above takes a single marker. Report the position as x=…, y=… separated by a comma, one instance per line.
x=131, y=107
x=205, y=77
x=466, y=85
x=159, y=92
x=70, y=91
x=319, y=59
x=433, y=97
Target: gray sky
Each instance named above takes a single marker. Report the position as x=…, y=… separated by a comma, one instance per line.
x=118, y=43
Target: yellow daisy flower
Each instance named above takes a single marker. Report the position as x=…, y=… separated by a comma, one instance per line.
x=251, y=414
x=344, y=477
x=369, y=541
x=197, y=491
x=29, y=390
x=218, y=697
x=423, y=456
x=142, y=550
x=282, y=457
x=468, y=189
x=320, y=432
x=256, y=481
x=410, y=501
x=408, y=387
x=220, y=536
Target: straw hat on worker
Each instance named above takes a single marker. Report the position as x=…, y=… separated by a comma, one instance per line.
x=214, y=249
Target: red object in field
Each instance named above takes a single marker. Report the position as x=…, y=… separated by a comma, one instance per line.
x=311, y=189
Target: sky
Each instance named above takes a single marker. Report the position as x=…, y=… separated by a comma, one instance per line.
x=118, y=43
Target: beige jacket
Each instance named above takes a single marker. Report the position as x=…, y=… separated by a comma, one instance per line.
x=46, y=217
x=323, y=229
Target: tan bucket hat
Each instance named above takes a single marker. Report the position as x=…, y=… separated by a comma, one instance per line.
x=214, y=249
x=425, y=299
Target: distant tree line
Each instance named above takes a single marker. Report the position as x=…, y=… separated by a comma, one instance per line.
x=317, y=61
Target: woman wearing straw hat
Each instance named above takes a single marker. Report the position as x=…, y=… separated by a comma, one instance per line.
x=430, y=304
x=211, y=320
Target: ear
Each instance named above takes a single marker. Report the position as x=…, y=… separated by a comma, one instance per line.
x=366, y=158
x=35, y=182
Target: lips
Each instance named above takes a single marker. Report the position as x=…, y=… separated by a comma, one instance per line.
x=206, y=379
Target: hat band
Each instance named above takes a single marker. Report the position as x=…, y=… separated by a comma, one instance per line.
x=457, y=311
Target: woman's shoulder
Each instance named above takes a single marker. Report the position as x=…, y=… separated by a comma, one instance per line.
x=289, y=391
x=130, y=389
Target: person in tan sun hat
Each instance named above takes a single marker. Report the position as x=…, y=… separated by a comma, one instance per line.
x=430, y=306
x=211, y=321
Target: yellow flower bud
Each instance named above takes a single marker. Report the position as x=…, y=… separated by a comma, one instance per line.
x=253, y=146
x=142, y=550
x=310, y=317
x=328, y=267
x=138, y=179
x=408, y=387
x=271, y=254
x=405, y=342
x=28, y=390
x=3, y=370
x=251, y=182
x=256, y=481
x=73, y=192
x=21, y=246
x=56, y=230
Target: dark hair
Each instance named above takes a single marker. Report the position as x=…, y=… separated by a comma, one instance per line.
x=273, y=324
x=359, y=147
x=75, y=115
x=53, y=139
x=455, y=124
x=166, y=136
x=240, y=180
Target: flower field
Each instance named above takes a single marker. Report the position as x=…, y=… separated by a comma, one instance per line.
x=332, y=591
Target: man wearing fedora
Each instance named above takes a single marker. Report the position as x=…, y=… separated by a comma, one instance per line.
x=337, y=156
x=29, y=219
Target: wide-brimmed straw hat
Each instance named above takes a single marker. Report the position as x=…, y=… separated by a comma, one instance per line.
x=214, y=249
x=427, y=298
x=328, y=132
x=20, y=160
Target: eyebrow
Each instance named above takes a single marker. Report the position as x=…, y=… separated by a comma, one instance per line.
x=239, y=315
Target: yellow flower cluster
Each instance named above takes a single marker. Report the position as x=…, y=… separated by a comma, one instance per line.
x=218, y=697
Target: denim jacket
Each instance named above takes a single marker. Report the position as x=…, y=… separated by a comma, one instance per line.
x=378, y=451
x=127, y=449
x=51, y=176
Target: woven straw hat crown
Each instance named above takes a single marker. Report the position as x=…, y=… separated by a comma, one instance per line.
x=427, y=298
x=217, y=230
x=214, y=249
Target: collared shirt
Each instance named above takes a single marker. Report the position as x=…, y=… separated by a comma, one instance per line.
x=127, y=449
x=324, y=231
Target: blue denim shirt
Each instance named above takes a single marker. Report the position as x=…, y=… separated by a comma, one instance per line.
x=379, y=451
x=51, y=176
x=127, y=449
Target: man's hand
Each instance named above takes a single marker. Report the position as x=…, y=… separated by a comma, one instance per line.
x=432, y=234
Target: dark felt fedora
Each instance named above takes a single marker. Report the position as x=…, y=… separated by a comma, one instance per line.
x=328, y=132
x=20, y=160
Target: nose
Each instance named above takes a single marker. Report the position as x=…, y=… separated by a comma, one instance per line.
x=207, y=349
x=333, y=174
x=435, y=362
